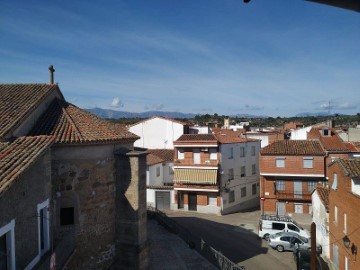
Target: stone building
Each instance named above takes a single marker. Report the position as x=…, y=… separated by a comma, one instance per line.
x=93, y=184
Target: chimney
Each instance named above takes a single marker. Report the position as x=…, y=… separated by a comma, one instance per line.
x=52, y=70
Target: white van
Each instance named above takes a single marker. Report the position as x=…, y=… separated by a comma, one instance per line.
x=270, y=224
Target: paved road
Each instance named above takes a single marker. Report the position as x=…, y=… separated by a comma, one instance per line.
x=236, y=237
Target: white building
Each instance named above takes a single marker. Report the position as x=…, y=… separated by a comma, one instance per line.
x=159, y=178
x=158, y=132
x=320, y=203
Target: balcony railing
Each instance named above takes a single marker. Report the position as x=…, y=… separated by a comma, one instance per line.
x=293, y=196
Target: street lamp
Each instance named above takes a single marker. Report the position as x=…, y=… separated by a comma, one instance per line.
x=346, y=241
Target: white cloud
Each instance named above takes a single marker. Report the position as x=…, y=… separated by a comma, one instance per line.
x=116, y=102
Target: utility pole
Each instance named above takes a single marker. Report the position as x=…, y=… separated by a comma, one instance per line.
x=313, y=247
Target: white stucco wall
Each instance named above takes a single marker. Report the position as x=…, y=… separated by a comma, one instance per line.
x=250, y=200
x=157, y=133
x=300, y=134
x=321, y=218
x=264, y=138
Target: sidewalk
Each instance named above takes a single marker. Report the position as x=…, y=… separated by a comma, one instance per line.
x=168, y=251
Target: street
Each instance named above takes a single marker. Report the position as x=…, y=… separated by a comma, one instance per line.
x=235, y=235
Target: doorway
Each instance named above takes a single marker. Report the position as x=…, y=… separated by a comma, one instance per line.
x=192, y=201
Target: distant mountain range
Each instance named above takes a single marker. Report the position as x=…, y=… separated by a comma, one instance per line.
x=107, y=113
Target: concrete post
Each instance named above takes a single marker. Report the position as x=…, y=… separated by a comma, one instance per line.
x=131, y=246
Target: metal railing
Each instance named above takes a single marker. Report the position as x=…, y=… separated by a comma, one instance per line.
x=291, y=196
x=208, y=252
x=62, y=252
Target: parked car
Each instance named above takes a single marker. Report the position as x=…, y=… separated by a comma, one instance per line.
x=303, y=260
x=269, y=224
x=291, y=241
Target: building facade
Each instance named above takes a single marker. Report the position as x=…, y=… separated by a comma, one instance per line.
x=344, y=216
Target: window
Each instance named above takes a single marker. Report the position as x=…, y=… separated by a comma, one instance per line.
x=280, y=185
x=242, y=171
x=253, y=169
x=243, y=192
x=308, y=162
x=232, y=196
x=180, y=153
x=231, y=153
x=171, y=170
x=311, y=185
x=7, y=246
x=292, y=227
x=336, y=256
x=67, y=216
x=196, y=155
x=43, y=227
x=158, y=171
x=280, y=162
x=253, y=188
x=242, y=151
x=231, y=174
x=213, y=153
x=334, y=185
x=278, y=226
x=335, y=214
x=345, y=223
x=285, y=238
x=253, y=150
x=347, y=266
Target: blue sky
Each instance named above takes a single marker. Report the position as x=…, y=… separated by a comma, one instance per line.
x=268, y=57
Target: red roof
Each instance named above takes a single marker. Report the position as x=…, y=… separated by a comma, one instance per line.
x=225, y=136
x=331, y=142
x=294, y=147
x=323, y=193
x=197, y=138
x=17, y=101
x=349, y=166
x=16, y=157
x=70, y=124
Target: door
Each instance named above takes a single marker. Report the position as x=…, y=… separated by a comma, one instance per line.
x=297, y=189
x=180, y=199
x=280, y=209
x=192, y=202
x=298, y=208
x=162, y=200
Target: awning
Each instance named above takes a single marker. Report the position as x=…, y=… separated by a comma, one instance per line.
x=195, y=176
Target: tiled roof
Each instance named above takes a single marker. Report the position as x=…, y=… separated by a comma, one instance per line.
x=17, y=101
x=353, y=146
x=161, y=117
x=196, y=137
x=165, y=154
x=332, y=143
x=225, y=136
x=293, y=147
x=70, y=124
x=323, y=195
x=350, y=166
x=17, y=156
x=152, y=159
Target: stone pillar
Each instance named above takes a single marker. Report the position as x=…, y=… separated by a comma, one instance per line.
x=131, y=246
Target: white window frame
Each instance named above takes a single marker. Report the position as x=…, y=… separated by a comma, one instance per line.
x=308, y=162
x=280, y=162
x=180, y=153
x=335, y=215
x=334, y=185
x=9, y=230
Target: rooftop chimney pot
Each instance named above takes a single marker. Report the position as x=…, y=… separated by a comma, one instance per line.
x=52, y=70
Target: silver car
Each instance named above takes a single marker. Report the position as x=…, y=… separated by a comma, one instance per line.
x=291, y=241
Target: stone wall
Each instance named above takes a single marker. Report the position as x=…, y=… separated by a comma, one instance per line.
x=20, y=202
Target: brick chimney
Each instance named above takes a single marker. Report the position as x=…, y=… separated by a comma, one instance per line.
x=52, y=70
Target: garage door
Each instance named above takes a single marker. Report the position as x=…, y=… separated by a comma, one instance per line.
x=162, y=200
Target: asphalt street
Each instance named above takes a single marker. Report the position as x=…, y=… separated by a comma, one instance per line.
x=236, y=237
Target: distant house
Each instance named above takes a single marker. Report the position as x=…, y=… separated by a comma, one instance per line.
x=344, y=215
x=289, y=172
x=159, y=178
x=216, y=173
x=320, y=215
x=158, y=132
x=67, y=175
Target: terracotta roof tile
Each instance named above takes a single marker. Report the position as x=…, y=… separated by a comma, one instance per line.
x=165, y=154
x=196, y=137
x=323, y=195
x=152, y=159
x=350, y=166
x=294, y=147
x=70, y=124
x=332, y=143
x=17, y=101
x=17, y=156
x=225, y=136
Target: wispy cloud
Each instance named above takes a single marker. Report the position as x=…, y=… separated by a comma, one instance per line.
x=116, y=103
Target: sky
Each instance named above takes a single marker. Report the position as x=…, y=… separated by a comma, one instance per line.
x=268, y=57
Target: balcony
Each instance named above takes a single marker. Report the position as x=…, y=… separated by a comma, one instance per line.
x=196, y=176
x=292, y=196
x=202, y=163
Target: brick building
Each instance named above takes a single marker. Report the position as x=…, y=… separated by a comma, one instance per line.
x=344, y=215
x=216, y=173
x=289, y=172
